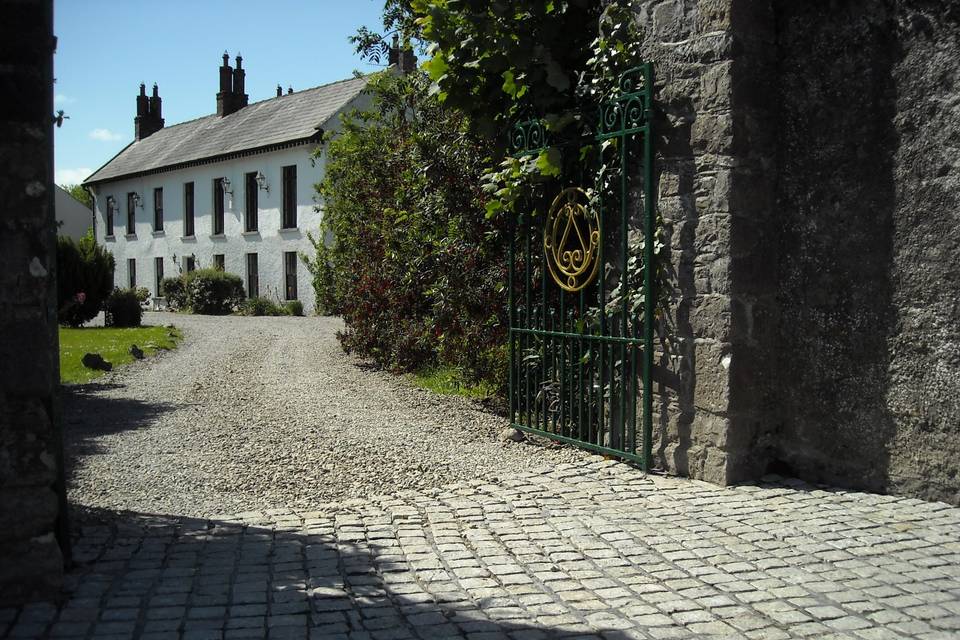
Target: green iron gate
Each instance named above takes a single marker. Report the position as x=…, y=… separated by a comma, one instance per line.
x=581, y=298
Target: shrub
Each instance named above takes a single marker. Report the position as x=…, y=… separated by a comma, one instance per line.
x=293, y=308
x=416, y=269
x=123, y=309
x=84, y=279
x=143, y=294
x=175, y=291
x=261, y=307
x=213, y=292
x=321, y=268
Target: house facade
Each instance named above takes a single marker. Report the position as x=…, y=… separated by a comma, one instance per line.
x=74, y=219
x=232, y=190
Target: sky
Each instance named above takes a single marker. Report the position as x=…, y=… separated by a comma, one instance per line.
x=106, y=48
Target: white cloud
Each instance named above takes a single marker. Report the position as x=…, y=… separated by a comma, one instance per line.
x=71, y=176
x=105, y=134
x=62, y=99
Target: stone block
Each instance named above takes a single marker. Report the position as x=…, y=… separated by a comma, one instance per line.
x=710, y=317
x=715, y=87
x=712, y=376
x=26, y=512
x=712, y=133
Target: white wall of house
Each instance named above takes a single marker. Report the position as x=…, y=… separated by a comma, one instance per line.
x=269, y=242
x=73, y=217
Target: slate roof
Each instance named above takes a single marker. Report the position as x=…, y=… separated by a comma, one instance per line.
x=284, y=119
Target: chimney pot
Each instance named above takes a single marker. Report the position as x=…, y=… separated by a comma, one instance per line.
x=279, y=91
x=149, y=118
x=289, y=90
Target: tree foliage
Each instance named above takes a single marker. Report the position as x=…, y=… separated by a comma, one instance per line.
x=416, y=269
x=84, y=279
x=80, y=194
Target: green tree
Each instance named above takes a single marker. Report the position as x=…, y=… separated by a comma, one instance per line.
x=415, y=268
x=80, y=194
x=84, y=279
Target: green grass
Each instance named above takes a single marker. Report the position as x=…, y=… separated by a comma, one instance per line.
x=111, y=343
x=448, y=381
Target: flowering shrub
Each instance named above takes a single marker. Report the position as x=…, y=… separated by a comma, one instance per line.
x=84, y=279
x=416, y=269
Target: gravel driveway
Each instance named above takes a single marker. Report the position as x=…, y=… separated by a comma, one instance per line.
x=260, y=413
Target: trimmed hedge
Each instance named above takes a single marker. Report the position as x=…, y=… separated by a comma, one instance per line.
x=214, y=292
x=123, y=309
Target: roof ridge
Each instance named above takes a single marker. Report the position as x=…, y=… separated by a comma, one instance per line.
x=213, y=115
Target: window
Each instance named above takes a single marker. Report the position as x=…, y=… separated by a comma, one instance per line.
x=158, y=272
x=111, y=205
x=253, y=277
x=158, y=209
x=290, y=197
x=251, y=201
x=132, y=272
x=290, y=274
x=218, y=206
x=219, y=261
x=191, y=263
x=188, y=209
x=131, y=214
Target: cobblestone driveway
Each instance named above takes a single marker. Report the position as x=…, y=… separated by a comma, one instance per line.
x=586, y=550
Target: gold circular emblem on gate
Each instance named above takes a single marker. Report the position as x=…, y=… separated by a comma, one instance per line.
x=571, y=240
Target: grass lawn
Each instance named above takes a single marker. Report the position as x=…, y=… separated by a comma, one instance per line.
x=448, y=381
x=111, y=343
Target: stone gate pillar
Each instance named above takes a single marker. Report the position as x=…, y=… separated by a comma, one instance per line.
x=32, y=522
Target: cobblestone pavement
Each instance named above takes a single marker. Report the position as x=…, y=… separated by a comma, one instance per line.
x=593, y=549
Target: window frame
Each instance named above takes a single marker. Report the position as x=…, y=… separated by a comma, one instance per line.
x=158, y=274
x=131, y=214
x=189, y=214
x=253, y=275
x=132, y=272
x=111, y=203
x=219, y=208
x=158, y=209
x=288, y=203
x=251, y=202
x=220, y=261
x=290, y=275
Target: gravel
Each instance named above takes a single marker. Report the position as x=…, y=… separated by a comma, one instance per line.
x=260, y=413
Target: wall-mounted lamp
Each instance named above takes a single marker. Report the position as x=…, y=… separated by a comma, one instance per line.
x=225, y=183
x=262, y=181
x=137, y=200
x=111, y=202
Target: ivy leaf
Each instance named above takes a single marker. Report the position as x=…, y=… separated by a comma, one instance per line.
x=548, y=162
x=436, y=66
x=509, y=86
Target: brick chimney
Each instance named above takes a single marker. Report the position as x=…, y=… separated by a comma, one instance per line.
x=402, y=57
x=149, y=118
x=225, y=98
x=239, y=75
x=231, y=97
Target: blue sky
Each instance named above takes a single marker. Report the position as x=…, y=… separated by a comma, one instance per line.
x=106, y=48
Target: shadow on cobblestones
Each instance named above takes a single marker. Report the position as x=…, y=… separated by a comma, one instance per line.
x=152, y=576
x=590, y=550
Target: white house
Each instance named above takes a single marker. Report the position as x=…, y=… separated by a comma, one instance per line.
x=74, y=219
x=234, y=189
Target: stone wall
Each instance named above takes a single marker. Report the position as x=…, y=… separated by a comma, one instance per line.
x=31, y=483
x=808, y=183
x=710, y=59
x=869, y=276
